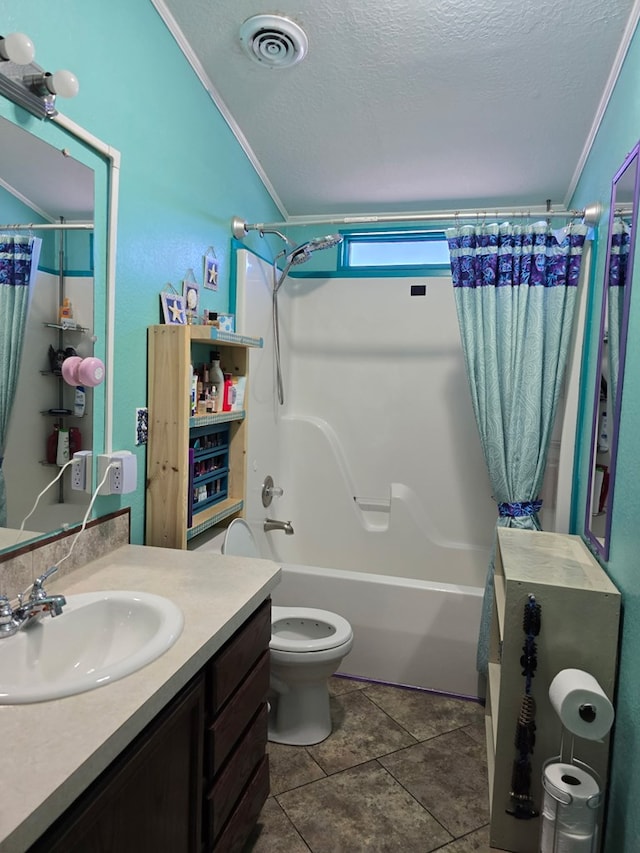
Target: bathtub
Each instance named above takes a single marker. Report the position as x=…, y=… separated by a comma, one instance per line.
x=407, y=632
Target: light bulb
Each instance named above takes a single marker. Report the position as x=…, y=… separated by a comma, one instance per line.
x=62, y=83
x=18, y=48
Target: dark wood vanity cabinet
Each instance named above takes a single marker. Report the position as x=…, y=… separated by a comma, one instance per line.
x=236, y=767
x=197, y=777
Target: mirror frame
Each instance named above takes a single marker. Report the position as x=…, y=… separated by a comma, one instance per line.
x=63, y=133
x=602, y=546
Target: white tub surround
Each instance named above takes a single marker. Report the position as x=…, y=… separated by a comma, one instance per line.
x=54, y=750
x=406, y=632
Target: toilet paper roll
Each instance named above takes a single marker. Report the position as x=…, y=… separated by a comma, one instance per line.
x=570, y=809
x=581, y=704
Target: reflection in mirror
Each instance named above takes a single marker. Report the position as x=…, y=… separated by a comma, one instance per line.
x=611, y=353
x=41, y=187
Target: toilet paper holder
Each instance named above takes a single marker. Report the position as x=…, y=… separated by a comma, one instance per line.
x=569, y=823
x=562, y=812
x=564, y=797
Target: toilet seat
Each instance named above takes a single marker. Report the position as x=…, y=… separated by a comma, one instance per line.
x=239, y=541
x=320, y=629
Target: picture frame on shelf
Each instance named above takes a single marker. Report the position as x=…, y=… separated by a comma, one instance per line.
x=191, y=296
x=173, y=309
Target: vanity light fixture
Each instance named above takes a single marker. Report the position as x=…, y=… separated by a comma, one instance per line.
x=27, y=84
x=18, y=48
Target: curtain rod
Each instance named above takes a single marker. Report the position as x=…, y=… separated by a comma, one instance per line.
x=590, y=215
x=42, y=226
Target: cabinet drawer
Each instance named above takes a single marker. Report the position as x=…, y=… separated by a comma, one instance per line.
x=242, y=763
x=239, y=655
x=246, y=813
x=227, y=728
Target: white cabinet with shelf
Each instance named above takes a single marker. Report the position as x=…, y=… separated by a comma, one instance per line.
x=180, y=462
x=580, y=612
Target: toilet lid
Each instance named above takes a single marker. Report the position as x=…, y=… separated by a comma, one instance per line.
x=307, y=629
x=239, y=541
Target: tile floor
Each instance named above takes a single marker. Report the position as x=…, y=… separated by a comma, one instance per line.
x=403, y=771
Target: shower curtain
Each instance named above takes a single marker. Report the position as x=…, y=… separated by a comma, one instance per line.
x=515, y=292
x=618, y=258
x=18, y=267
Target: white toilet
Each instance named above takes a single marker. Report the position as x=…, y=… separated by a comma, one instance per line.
x=307, y=647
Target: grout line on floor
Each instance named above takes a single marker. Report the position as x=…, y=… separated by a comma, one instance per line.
x=297, y=831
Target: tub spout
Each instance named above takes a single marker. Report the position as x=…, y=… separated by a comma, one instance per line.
x=274, y=524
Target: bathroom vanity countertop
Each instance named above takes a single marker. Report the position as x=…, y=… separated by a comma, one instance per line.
x=53, y=750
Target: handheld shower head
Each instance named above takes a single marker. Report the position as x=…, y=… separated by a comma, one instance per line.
x=303, y=252
x=325, y=242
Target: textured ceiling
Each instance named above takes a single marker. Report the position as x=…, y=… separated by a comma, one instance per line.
x=408, y=105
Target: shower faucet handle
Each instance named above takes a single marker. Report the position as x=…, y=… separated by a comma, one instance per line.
x=269, y=491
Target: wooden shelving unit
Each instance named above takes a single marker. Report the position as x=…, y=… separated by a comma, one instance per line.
x=171, y=351
x=580, y=612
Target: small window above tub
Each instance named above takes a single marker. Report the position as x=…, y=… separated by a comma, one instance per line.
x=394, y=252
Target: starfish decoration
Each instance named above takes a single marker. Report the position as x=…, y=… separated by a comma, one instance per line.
x=213, y=274
x=176, y=312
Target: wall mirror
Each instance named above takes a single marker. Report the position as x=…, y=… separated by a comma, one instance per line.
x=47, y=177
x=607, y=395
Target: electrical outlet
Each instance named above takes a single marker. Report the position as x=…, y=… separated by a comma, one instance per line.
x=121, y=476
x=81, y=470
x=77, y=473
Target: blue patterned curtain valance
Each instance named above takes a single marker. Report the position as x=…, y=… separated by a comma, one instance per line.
x=16, y=260
x=616, y=294
x=509, y=255
x=619, y=253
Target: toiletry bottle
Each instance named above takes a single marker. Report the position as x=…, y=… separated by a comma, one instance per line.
x=75, y=440
x=62, y=455
x=66, y=311
x=79, y=402
x=603, y=436
x=228, y=393
x=193, y=394
x=52, y=445
x=216, y=376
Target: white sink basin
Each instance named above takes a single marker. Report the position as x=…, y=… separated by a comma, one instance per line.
x=99, y=638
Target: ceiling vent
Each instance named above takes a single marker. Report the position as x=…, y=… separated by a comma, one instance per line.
x=273, y=40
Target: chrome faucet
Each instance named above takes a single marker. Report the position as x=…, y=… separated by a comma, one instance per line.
x=38, y=603
x=273, y=524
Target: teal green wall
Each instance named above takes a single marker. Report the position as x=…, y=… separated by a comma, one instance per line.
x=618, y=134
x=183, y=174
x=78, y=248
x=14, y=211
